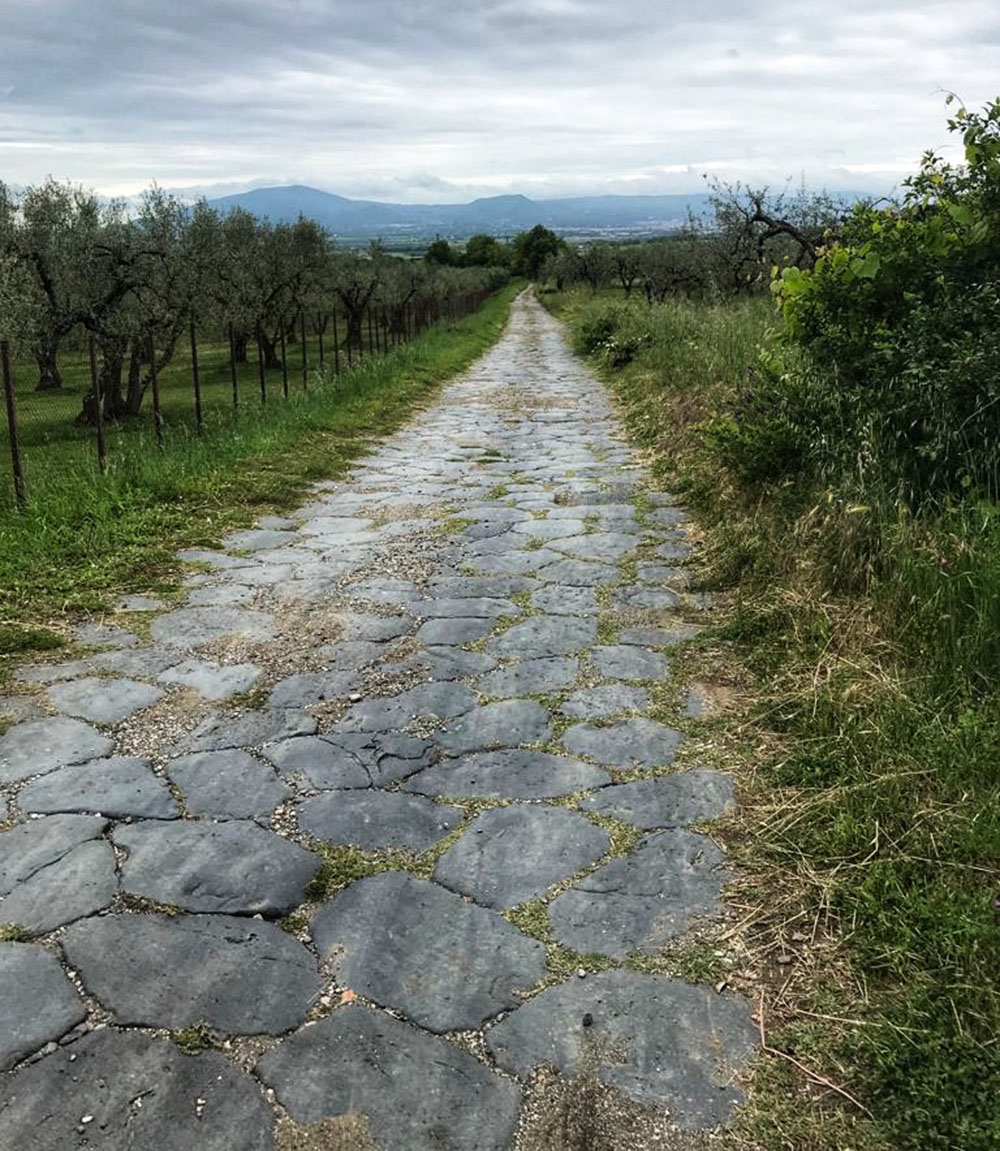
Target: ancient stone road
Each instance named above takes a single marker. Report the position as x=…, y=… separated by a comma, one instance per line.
x=445, y=661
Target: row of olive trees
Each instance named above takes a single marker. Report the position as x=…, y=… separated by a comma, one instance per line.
x=140, y=283
x=732, y=252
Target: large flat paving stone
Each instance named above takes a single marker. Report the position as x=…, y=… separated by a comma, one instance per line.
x=140, y=1093
x=465, y=607
x=135, y=662
x=445, y=662
x=625, y=661
x=242, y=976
x=194, y=627
x=546, y=635
x=628, y=743
x=604, y=701
x=103, y=700
x=440, y=1097
x=120, y=787
x=676, y=800
x=343, y=760
x=506, y=724
x=409, y=944
x=453, y=630
x=103, y=635
x=640, y=902
x=577, y=573
x=42, y=745
x=227, y=784
x=37, y=1002
x=426, y=701
x=211, y=680
x=251, y=729
x=478, y=587
x=31, y=847
x=233, y=868
x=603, y=547
x=374, y=820
x=530, y=677
x=309, y=688
x=658, y=1040
x=511, y=773
x=555, y=600
x=515, y=853
x=79, y=883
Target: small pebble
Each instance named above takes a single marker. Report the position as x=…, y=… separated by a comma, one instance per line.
x=588, y=1020
x=582, y=972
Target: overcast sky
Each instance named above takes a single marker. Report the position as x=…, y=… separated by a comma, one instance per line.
x=441, y=100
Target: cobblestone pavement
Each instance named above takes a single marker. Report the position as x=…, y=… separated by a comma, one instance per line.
x=376, y=815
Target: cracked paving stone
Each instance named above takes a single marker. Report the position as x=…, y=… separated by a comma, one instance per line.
x=640, y=902
x=409, y=944
x=375, y=628
x=38, y=1004
x=468, y=607
x=531, y=677
x=515, y=853
x=257, y=539
x=556, y=600
x=30, y=847
x=309, y=688
x=375, y=820
x=214, y=681
x=578, y=573
x=120, y=787
x=511, y=563
x=442, y=700
x=251, y=729
x=42, y=745
x=103, y=700
x=629, y=743
x=478, y=587
x=659, y=1040
x=451, y=663
x=625, y=661
x=140, y=1092
x=79, y=882
x=514, y=773
x=546, y=635
x=320, y=761
x=441, y=1097
x=453, y=631
x=604, y=701
x=676, y=800
x=232, y=868
x=193, y=627
x=227, y=785
x=172, y=972
x=604, y=547
x=506, y=724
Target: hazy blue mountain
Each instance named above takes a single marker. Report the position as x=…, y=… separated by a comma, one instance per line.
x=498, y=215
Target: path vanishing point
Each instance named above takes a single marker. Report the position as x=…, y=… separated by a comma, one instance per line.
x=368, y=843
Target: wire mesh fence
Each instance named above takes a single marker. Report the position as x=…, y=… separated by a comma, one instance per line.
x=211, y=378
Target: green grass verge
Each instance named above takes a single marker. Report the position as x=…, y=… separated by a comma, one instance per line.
x=86, y=538
x=869, y=838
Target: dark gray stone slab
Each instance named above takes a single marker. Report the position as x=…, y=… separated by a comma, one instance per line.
x=20, y=709
x=212, y=559
x=374, y=820
x=310, y=688
x=476, y=587
x=550, y=529
x=509, y=563
x=453, y=631
x=226, y=594
x=251, y=729
x=673, y=551
x=121, y=787
x=465, y=607
x=440, y=1097
x=659, y=573
x=647, y=598
x=676, y=800
x=375, y=628
x=42, y=745
x=428, y=700
x=532, y=677
x=349, y=655
x=603, y=547
x=510, y=774
x=163, y=971
x=141, y=1092
x=450, y=663
x=507, y=724
x=228, y=785
x=103, y=700
x=38, y=1004
x=53, y=672
x=558, y=600
x=32, y=847
x=227, y=868
x=406, y=943
x=606, y=700
x=628, y=662
x=546, y=635
x=659, y=1040
x=628, y=743
x=321, y=762
x=641, y=902
x=515, y=853
x=193, y=627
x=79, y=883
x=656, y=636
x=100, y=635
x=257, y=539
x=578, y=573
x=136, y=662
x=399, y=592
x=212, y=680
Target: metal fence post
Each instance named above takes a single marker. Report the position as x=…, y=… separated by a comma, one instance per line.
x=371, y=344
x=95, y=383
x=15, y=447
x=284, y=361
x=232, y=366
x=336, y=346
x=305, y=351
x=320, y=325
x=260, y=365
x=154, y=383
x=196, y=377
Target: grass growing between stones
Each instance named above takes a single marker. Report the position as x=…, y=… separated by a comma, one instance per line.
x=86, y=538
x=865, y=747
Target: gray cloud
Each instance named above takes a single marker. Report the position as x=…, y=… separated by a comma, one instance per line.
x=440, y=99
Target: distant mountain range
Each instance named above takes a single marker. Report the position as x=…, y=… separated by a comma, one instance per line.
x=496, y=215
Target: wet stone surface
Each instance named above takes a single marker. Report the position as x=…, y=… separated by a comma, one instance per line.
x=450, y=653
